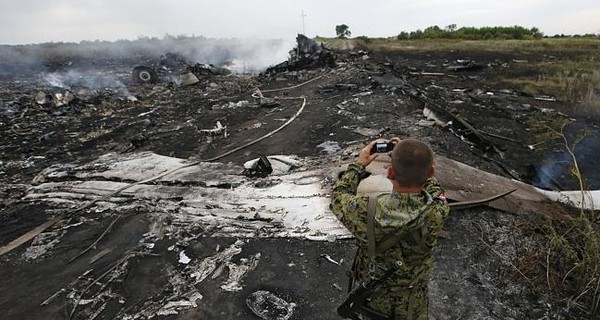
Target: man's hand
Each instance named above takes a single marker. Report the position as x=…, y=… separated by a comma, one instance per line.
x=365, y=157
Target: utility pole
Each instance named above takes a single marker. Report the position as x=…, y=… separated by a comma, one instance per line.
x=303, y=29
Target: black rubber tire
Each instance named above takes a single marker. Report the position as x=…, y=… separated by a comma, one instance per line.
x=143, y=74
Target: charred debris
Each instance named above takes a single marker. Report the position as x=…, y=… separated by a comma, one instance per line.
x=308, y=54
x=72, y=92
x=173, y=67
x=78, y=147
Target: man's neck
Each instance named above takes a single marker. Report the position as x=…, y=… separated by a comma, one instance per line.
x=400, y=189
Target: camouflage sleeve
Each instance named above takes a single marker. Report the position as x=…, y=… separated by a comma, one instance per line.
x=348, y=207
x=435, y=189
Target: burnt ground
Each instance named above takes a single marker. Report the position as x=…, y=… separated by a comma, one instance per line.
x=366, y=96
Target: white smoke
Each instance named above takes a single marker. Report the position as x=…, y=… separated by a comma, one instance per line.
x=56, y=80
x=238, y=55
x=93, y=80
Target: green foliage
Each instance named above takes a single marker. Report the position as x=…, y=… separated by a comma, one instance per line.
x=572, y=264
x=472, y=33
x=572, y=256
x=403, y=35
x=364, y=39
x=342, y=31
x=573, y=77
x=450, y=28
x=545, y=130
x=580, y=86
x=585, y=36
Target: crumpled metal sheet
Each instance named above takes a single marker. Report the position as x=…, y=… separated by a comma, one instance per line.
x=212, y=195
x=268, y=306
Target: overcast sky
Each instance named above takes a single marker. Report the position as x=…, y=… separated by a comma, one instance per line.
x=29, y=21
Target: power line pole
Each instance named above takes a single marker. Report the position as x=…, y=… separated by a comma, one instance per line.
x=303, y=29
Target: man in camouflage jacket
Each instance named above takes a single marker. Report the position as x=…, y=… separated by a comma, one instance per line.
x=414, y=210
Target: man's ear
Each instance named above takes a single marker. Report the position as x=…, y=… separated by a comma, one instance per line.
x=431, y=171
x=391, y=174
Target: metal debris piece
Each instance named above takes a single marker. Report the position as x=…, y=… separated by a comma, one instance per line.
x=143, y=114
x=545, y=98
x=231, y=104
x=363, y=94
x=268, y=102
x=478, y=202
x=308, y=54
x=280, y=164
x=69, y=287
x=238, y=271
x=216, y=130
x=41, y=98
x=188, y=79
x=210, y=264
x=203, y=69
x=465, y=65
x=43, y=243
x=144, y=74
x=260, y=167
x=268, y=306
x=328, y=258
x=100, y=255
x=62, y=99
x=173, y=307
x=426, y=123
x=369, y=132
x=183, y=259
x=329, y=147
x=422, y=73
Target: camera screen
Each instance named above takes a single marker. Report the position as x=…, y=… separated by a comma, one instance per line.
x=381, y=147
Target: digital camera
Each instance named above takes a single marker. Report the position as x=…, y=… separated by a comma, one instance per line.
x=383, y=147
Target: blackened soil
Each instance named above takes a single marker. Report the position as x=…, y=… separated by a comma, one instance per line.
x=30, y=283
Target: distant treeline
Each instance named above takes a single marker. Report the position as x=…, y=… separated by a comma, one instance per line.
x=472, y=33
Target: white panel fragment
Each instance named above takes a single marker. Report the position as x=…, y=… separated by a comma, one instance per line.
x=205, y=267
x=213, y=197
x=591, y=198
x=183, y=259
x=238, y=271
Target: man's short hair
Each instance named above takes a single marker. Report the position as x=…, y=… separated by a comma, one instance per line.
x=412, y=160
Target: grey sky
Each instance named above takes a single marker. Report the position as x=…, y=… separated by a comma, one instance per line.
x=29, y=21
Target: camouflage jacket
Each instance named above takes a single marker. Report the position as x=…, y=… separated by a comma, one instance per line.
x=418, y=217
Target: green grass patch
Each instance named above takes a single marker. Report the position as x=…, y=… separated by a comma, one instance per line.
x=565, y=68
x=532, y=46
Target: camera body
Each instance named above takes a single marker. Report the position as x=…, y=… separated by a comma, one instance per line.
x=383, y=147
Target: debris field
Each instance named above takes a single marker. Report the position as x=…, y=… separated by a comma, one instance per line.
x=173, y=190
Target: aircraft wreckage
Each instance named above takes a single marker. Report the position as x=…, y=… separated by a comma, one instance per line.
x=142, y=234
